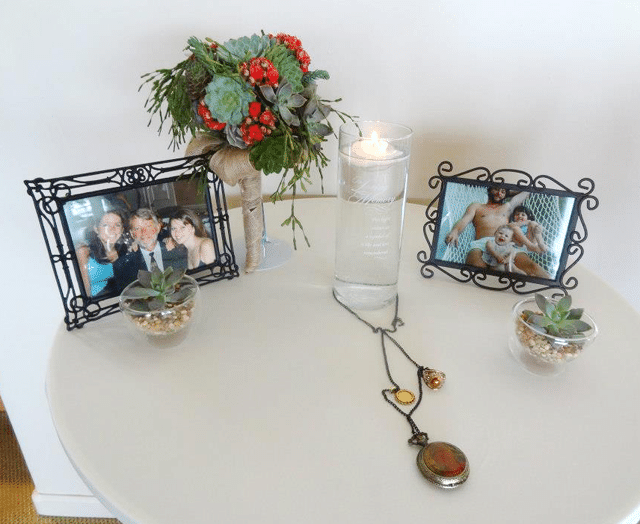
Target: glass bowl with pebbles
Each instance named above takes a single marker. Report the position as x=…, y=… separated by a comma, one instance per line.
x=161, y=305
x=547, y=333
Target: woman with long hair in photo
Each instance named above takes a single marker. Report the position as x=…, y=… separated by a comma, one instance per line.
x=104, y=245
x=187, y=230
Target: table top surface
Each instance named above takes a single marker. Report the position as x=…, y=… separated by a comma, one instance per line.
x=271, y=411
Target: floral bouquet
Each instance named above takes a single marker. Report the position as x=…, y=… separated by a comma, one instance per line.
x=252, y=103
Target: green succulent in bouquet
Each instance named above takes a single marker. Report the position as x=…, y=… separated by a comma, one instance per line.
x=157, y=289
x=557, y=318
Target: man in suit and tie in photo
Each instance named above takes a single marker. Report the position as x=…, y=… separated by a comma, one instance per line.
x=147, y=250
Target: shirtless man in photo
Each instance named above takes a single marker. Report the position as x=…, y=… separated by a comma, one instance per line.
x=486, y=219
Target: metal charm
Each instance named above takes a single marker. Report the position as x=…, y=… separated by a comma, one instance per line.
x=404, y=396
x=440, y=462
x=433, y=378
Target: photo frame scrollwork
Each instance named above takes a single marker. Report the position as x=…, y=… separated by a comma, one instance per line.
x=468, y=204
x=68, y=209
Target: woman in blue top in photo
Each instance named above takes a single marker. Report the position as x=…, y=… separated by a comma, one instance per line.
x=104, y=244
x=187, y=230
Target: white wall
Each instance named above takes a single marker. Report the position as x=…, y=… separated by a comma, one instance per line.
x=550, y=87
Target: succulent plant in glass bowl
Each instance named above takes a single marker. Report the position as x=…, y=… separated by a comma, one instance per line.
x=548, y=333
x=160, y=304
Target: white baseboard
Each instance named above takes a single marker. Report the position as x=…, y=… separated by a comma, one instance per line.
x=69, y=506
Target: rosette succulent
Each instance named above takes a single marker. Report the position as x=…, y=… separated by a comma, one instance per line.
x=285, y=101
x=238, y=50
x=228, y=99
x=557, y=319
x=156, y=289
x=315, y=112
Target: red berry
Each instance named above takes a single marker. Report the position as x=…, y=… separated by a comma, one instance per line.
x=267, y=118
x=254, y=109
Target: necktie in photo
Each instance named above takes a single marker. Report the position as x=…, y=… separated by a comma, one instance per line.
x=154, y=264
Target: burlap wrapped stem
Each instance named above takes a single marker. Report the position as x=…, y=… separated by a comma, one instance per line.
x=232, y=166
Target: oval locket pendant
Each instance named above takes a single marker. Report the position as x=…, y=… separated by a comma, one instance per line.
x=442, y=463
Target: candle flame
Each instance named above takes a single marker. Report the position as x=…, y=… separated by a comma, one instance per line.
x=380, y=145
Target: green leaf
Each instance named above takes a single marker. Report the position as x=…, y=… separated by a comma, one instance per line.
x=553, y=330
x=242, y=49
x=564, y=303
x=581, y=326
x=140, y=292
x=272, y=155
x=144, y=277
x=157, y=280
x=536, y=319
x=179, y=296
x=228, y=99
x=544, y=305
x=179, y=103
x=139, y=305
x=312, y=76
x=157, y=303
x=205, y=55
x=175, y=277
x=287, y=65
x=575, y=313
x=567, y=327
x=277, y=53
x=545, y=322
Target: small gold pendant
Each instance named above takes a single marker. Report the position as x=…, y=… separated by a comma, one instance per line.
x=404, y=396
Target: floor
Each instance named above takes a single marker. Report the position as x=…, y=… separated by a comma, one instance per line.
x=16, y=485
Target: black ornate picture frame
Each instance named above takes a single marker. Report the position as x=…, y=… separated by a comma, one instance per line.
x=74, y=210
x=526, y=256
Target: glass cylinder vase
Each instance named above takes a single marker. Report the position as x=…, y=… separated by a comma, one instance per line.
x=372, y=182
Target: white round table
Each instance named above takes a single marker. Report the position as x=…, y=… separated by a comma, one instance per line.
x=271, y=411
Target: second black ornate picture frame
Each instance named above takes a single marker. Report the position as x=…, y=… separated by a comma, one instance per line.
x=505, y=229
x=101, y=208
